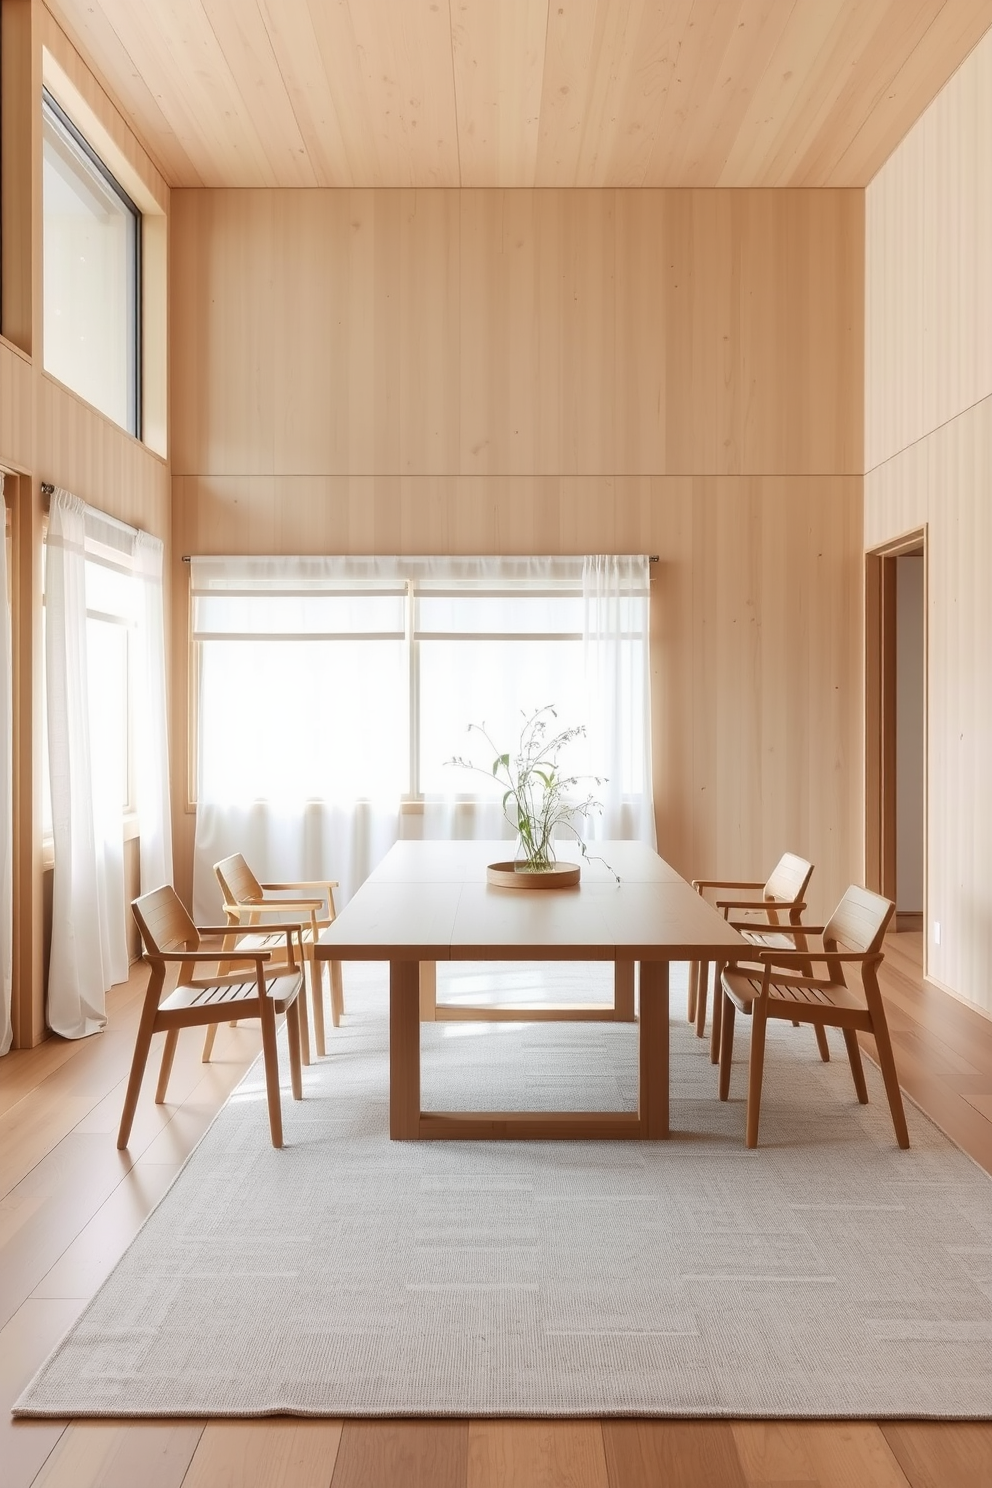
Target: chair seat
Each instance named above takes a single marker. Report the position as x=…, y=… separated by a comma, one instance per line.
x=279, y=989
x=787, y=993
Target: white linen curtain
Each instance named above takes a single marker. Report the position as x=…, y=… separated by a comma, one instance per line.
x=6, y=803
x=616, y=635
x=89, y=944
x=151, y=733
x=290, y=797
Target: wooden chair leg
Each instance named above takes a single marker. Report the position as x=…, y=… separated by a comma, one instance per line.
x=304, y=1020
x=857, y=1068
x=295, y=1014
x=316, y=971
x=337, y=994
x=693, y=991
x=726, y=1044
x=821, y=1043
x=208, y=1042
x=756, y=1069
x=142, y=1044
x=270, y=1058
x=702, y=996
x=887, y=1064
x=717, y=1012
x=168, y=1055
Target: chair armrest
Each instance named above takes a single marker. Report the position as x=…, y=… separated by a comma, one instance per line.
x=217, y=955
x=770, y=925
x=783, y=904
x=802, y=958
x=246, y=929
x=305, y=883
x=272, y=906
x=727, y=883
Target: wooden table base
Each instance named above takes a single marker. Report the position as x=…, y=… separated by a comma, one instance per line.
x=407, y=1122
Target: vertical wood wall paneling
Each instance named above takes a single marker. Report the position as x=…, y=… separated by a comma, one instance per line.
x=18, y=128
x=928, y=402
x=503, y=332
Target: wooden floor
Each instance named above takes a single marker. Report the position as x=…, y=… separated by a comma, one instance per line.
x=71, y=1203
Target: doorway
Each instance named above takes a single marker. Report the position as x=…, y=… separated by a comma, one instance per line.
x=895, y=717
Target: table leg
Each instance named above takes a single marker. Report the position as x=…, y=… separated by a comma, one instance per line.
x=404, y=1050
x=623, y=991
x=428, y=991
x=652, y=1099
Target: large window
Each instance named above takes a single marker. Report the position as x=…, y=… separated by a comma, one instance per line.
x=372, y=670
x=92, y=248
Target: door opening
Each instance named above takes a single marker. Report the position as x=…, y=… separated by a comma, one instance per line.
x=895, y=716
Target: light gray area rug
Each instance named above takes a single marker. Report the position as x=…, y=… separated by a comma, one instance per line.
x=825, y=1274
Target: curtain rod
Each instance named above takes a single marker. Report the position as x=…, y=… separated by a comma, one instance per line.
x=47, y=489
x=653, y=558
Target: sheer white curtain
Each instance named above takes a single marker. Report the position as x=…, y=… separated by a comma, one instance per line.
x=302, y=751
x=89, y=945
x=151, y=732
x=6, y=802
x=373, y=669
x=617, y=672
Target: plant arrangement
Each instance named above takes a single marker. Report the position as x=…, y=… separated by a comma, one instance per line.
x=538, y=799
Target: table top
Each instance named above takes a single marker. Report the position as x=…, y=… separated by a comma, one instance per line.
x=429, y=901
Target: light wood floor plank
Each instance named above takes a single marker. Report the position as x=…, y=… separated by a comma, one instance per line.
x=942, y=1454
x=140, y=1454
x=694, y=1454
x=85, y=1264
x=416, y=1454
x=25, y=1343
x=276, y=1453
x=820, y=1454
x=542, y=1454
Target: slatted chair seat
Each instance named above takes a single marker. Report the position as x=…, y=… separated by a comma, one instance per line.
x=782, y=985
x=237, y=979
x=833, y=997
x=248, y=902
x=212, y=994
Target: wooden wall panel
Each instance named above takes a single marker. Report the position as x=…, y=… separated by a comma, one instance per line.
x=518, y=333
x=929, y=443
x=16, y=389
x=928, y=289
x=80, y=449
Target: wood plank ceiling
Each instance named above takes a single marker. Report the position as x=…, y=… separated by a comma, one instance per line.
x=523, y=92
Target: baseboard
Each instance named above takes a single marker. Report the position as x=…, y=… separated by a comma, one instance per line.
x=909, y=919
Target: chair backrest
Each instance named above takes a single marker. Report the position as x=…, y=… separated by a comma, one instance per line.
x=163, y=921
x=859, y=922
x=788, y=879
x=237, y=882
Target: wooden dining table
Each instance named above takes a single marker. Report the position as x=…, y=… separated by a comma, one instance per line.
x=430, y=901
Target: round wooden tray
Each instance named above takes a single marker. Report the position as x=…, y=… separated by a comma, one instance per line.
x=561, y=876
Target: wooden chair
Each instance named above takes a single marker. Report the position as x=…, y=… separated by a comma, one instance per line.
x=246, y=902
x=785, y=987
x=170, y=938
x=780, y=901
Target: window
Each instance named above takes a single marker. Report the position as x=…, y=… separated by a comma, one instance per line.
x=92, y=250
x=372, y=670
